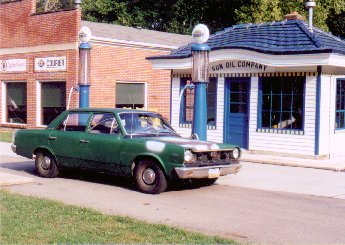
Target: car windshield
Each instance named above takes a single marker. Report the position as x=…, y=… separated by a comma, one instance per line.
x=145, y=123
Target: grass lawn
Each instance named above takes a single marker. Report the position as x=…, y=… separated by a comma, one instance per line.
x=6, y=136
x=32, y=220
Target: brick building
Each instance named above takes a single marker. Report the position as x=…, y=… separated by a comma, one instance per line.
x=39, y=64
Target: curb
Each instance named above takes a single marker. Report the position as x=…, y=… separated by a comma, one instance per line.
x=7, y=179
x=290, y=164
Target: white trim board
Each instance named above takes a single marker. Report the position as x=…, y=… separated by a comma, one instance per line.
x=40, y=48
x=296, y=60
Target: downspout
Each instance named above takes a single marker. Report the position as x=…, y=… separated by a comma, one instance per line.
x=318, y=109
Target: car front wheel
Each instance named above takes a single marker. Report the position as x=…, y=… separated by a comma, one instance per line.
x=46, y=165
x=149, y=177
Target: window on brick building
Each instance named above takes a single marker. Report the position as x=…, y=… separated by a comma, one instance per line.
x=16, y=106
x=43, y=6
x=187, y=104
x=130, y=95
x=53, y=100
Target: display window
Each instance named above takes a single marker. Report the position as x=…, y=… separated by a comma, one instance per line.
x=282, y=103
x=16, y=102
x=53, y=100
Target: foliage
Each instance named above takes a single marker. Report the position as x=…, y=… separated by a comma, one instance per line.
x=180, y=16
x=258, y=11
x=29, y=220
x=53, y=5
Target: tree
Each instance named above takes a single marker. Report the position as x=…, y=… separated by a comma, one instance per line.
x=109, y=11
x=180, y=16
x=272, y=10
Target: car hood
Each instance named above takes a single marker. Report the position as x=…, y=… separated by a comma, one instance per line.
x=196, y=145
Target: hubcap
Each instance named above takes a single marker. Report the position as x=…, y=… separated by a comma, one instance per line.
x=45, y=163
x=149, y=176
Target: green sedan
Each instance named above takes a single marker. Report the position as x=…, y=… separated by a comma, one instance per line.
x=122, y=142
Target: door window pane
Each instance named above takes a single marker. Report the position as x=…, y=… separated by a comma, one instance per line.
x=16, y=103
x=130, y=95
x=103, y=123
x=75, y=121
x=53, y=99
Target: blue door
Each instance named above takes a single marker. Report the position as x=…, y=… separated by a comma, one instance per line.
x=236, y=111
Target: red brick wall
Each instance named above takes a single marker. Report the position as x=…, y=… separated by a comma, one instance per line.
x=20, y=27
x=110, y=64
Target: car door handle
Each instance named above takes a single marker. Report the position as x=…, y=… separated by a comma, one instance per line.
x=52, y=138
x=84, y=141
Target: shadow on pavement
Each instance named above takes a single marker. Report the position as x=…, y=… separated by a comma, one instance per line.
x=100, y=178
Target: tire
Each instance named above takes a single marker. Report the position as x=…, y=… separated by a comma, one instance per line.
x=149, y=177
x=46, y=165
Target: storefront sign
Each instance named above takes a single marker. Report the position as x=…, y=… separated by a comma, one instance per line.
x=51, y=64
x=13, y=65
x=239, y=66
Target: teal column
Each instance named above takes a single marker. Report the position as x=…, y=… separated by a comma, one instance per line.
x=84, y=75
x=200, y=79
x=200, y=111
x=84, y=95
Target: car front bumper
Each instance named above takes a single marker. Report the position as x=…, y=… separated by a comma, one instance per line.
x=14, y=148
x=207, y=172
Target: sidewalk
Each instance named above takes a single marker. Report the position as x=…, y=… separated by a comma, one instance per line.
x=329, y=164
x=7, y=179
x=336, y=164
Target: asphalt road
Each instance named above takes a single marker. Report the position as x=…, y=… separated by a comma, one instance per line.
x=226, y=209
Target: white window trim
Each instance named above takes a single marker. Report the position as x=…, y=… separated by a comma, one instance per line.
x=38, y=104
x=39, y=100
x=3, y=103
x=145, y=90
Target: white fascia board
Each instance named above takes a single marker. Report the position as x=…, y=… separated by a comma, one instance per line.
x=337, y=60
x=119, y=42
x=295, y=60
x=169, y=64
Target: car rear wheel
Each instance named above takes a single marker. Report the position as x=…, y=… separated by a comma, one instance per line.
x=46, y=165
x=149, y=177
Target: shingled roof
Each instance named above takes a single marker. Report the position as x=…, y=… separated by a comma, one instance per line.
x=278, y=38
x=131, y=34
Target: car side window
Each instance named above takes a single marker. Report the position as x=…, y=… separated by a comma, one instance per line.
x=75, y=121
x=103, y=123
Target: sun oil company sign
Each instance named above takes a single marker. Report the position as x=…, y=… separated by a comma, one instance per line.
x=239, y=66
x=13, y=65
x=51, y=64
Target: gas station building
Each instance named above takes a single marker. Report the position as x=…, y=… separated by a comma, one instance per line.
x=274, y=88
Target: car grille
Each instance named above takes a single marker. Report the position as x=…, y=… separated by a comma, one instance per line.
x=209, y=158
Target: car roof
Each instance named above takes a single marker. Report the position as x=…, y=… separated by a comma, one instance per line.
x=114, y=110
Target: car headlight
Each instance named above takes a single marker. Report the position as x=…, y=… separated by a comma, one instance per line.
x=236, y=153
x=188, y=156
